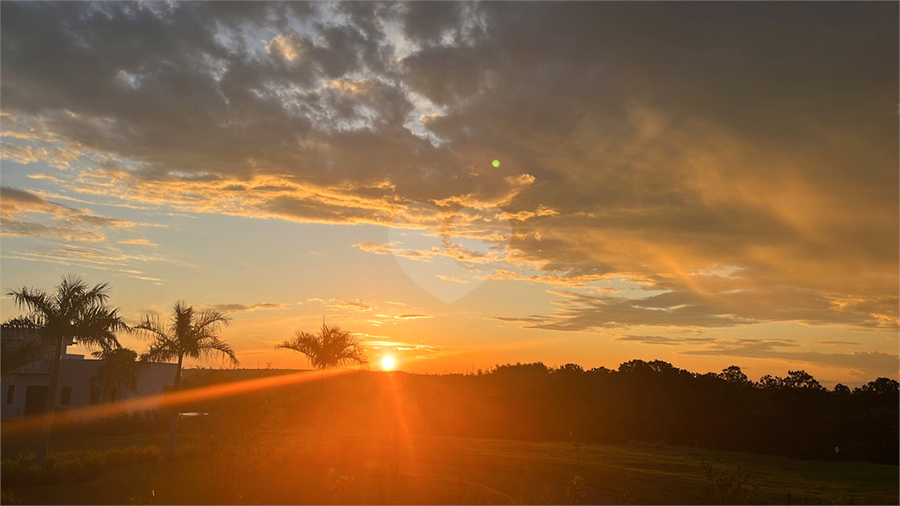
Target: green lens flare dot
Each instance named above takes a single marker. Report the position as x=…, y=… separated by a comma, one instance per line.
x=496, y=163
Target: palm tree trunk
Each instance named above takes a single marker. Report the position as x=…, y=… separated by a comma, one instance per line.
x=173, y=415
x=44, y=444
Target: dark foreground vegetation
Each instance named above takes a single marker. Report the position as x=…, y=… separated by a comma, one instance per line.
x=654, y=401
x=282, y=467
x=521, y=434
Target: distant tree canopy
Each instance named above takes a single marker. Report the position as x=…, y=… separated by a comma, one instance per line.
x=881, y=386
x=734, y=375
x=536, y=369
x=654, y=400
x=568, y=369
x=841, y=389
x=795, y=379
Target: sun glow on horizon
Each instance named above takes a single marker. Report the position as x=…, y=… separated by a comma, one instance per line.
x=387, y=363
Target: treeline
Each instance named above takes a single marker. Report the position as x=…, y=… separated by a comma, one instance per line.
x=641, y=401
x=655, y=401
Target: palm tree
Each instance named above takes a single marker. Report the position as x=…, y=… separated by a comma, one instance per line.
x=331, y=347
x=188, y=334
x=74, y=313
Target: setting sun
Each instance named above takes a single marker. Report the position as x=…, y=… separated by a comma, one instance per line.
x=387, y=363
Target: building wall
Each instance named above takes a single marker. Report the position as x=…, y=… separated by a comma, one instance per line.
x=152, y=382
x=21, y=382
x=79, y=375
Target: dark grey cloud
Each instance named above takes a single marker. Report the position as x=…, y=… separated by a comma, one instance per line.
x=21, y=198
x=179, y=92
x=665, y=138
x=428, y=22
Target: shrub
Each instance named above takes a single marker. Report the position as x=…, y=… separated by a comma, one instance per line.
x=71, y=466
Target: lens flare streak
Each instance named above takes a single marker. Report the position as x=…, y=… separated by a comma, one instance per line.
x=174, y=399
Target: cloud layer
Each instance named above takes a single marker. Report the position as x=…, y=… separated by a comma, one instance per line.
x=655, y=143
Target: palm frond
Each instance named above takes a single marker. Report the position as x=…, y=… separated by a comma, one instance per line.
x=37, y=302
x=331, y=347
x=150, y=327
x=97, y=326
x=187, y=333
x=72, y=311
x=214, y=344
x=210, y=322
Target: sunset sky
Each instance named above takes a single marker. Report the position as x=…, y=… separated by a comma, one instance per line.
x=707, y=184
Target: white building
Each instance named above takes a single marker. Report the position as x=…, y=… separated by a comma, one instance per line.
x=25, y=393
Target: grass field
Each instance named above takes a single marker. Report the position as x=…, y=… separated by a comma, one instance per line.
x=307, y=468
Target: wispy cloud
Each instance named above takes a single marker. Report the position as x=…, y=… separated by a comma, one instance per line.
x=141, y=242
x=412, y=317
x=668, y=341
x=452, y=279
x=383, y=346
x=696, y=306
x=17, y=207
x=352, y=305
x=529, y=321
x=97, y=257
x=244, y=308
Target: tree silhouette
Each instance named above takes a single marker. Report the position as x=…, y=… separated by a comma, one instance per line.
x=331, y=347
x=802, y=379
x=120, y=368
x=21, y=344
x=770, y=382
x=841, y=389
x=881, y=386
x=569, y=369
x=734, y=375
x=73, y=313
x=188, y=334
